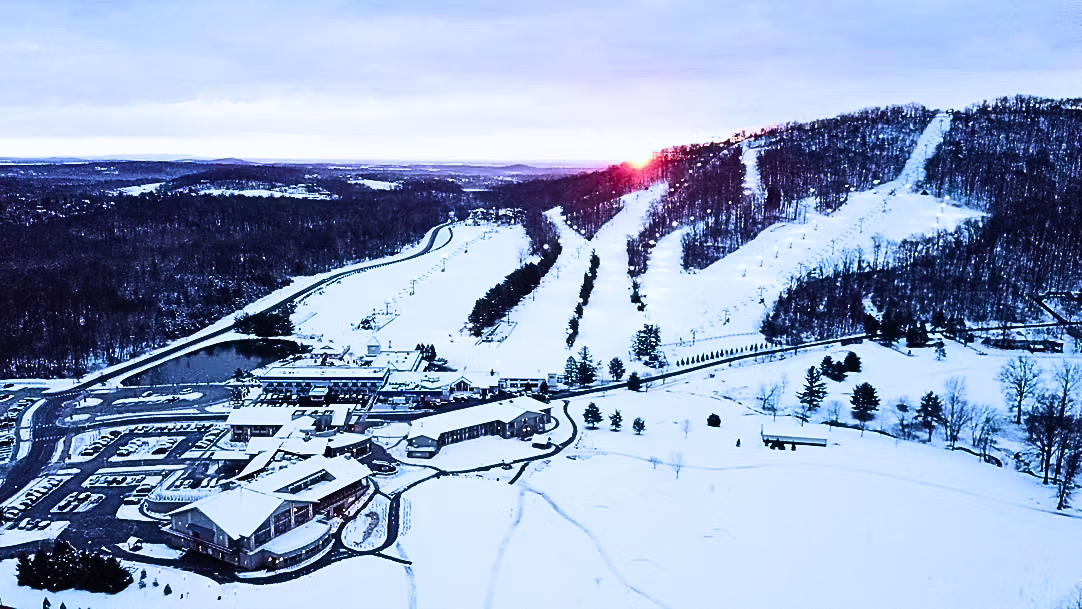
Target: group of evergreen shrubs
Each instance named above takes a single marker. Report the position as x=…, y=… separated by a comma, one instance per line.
x=63, y=568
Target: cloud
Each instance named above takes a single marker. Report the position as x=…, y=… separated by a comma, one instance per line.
x=440, y=76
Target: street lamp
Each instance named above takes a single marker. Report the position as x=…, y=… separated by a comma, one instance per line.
x=413, y=282
x=444, y=269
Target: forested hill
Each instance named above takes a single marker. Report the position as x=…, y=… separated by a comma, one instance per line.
x=99, y=287
x=726, y=193
x=1020, y=159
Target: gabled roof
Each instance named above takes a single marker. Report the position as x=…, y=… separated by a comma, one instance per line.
x=344, y=472
x=238, y=512
x=505, y=411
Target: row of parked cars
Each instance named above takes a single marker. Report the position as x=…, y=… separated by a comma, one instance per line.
x=161, y=446
x=138, y=495
x=78, y=501
x=193, y=483
x=98, y=445
x=117, y=480
x=207, y=440
x=31, y=524
x=15, y=411
x=173, y=427
x=32, y=496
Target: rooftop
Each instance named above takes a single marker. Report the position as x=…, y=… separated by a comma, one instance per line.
x=505, y=411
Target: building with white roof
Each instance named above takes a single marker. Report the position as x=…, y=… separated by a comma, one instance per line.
x=439, y=386
x=303, y=380
x=268, y=421
x=507, y=419
x=277, y=519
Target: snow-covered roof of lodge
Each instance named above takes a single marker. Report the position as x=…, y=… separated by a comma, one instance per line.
x=281, y=415
x=397, y=360
x=504, y=410
x=439, y=380
x=323, y=373
x=342, y=472
x=240, y=511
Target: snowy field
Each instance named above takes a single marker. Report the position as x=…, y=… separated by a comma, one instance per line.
x=426, y=303
x=602, y=525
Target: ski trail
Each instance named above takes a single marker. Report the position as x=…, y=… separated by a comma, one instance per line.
x=750, y=158
x=913, y=172
x=410, y=577
x=498, y=562
x=601, y=551
x=610, y=304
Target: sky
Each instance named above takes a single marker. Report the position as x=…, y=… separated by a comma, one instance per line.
x=485, y=80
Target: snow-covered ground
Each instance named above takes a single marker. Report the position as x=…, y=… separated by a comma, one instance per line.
x=375, y=184
x=427, y=304
x=602, y=525
x=294, y=192
x=138, y=190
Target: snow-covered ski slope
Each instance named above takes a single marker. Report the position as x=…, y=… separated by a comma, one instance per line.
x=538, y=341
x=426, y=304
x=744, y=284
x=717, y=308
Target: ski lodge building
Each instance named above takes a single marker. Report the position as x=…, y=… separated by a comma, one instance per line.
x=276, y=520
x=506, y=419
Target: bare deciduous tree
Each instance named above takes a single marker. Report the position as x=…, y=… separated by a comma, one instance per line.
x=903, y=411
x=768, y=398
x=677, y=463
x=1021, y=380
x=957, y=412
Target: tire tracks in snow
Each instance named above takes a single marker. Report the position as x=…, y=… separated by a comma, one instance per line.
x=410, y=578
x=498, y=562
x=731, y=468
x=597, y=544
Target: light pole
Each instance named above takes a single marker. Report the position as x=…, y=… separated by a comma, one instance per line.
x=413, y=283
x=444, y=269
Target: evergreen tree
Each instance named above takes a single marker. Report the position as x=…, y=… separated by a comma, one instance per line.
x=543, y=388
x=833, y=370
x=638, y=426
x=587, y=371
x=616, y=420
x=930, y=412
x=815, y=390
x=571, y=371
x=634, y=383
x=865, y=402
x=851, y=362
x=592, y=416
x=713, y=420
x=646, y=342
x=167, y=590
x=616, y=369
x=940, y=351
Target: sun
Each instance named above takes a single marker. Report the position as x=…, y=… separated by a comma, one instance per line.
x=641, y=161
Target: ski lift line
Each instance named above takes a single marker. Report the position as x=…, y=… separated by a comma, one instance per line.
x=700, y=340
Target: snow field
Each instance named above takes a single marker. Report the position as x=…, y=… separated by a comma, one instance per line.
x=379, y=582
x=477, y=259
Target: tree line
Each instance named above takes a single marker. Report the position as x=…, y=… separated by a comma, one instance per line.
x=96, y=288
